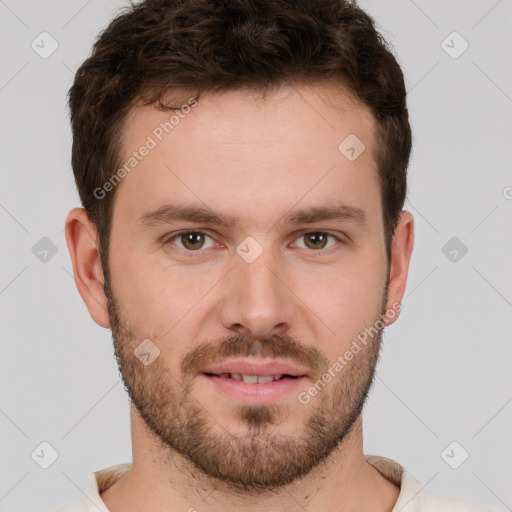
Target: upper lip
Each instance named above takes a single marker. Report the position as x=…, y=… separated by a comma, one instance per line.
x=256, y=367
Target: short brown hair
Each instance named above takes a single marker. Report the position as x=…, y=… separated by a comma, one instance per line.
x=160, y=45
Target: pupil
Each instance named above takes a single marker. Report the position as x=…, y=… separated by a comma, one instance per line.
x=317, y=237
x=192, y=240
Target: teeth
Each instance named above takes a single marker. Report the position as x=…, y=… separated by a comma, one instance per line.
x=251, y=379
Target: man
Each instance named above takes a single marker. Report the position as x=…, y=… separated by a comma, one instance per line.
x=242, y=167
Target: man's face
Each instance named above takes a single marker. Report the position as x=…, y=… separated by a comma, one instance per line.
x=229, y=302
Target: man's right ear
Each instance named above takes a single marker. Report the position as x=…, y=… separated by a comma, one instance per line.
x=83, y=246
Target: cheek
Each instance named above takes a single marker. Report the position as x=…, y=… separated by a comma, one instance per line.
x=169, y=302
x=348, y=297
x=140, y=290
x=158, y=299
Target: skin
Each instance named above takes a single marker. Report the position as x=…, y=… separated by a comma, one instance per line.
x=256, y=159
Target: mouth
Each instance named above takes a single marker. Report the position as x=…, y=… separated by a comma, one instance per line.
x=251, y=381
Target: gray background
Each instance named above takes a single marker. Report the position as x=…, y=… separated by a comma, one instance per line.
x=445, y=370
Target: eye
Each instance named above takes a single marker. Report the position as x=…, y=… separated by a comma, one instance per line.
x=191, y=241
x=194, y=241
x=317, y=240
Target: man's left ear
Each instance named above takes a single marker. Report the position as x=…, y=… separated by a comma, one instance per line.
x=401, y=250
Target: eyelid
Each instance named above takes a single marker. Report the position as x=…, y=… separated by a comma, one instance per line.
x=297, y=235
x=168, y=240
x=337, y=237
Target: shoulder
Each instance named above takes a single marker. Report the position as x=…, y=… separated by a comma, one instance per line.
x=78, y=505
x=414, y=497
x=91, y=501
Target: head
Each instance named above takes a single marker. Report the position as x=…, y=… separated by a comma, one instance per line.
x=242, y=169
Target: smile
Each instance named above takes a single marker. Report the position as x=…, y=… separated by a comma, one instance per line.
x=252, y=379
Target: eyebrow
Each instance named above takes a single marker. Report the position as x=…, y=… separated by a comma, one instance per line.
x=169, y=213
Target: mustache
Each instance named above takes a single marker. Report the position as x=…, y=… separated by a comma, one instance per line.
x=241, y=345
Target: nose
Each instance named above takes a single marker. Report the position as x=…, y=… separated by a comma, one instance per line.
x=257, y=300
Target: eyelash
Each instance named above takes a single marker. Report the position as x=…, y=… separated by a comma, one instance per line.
x=200, y=252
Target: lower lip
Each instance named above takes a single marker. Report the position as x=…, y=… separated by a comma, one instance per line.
x=255, y=393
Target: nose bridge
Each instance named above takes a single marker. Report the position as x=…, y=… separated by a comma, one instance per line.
x=257, y=302
x=259, y=275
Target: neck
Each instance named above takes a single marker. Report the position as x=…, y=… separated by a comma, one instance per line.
x=167, y=481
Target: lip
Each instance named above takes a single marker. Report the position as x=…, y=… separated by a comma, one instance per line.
x=255, y=393
x=257, y=367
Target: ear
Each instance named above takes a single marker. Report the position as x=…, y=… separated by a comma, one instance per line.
x=82, y=241
x=401, y=250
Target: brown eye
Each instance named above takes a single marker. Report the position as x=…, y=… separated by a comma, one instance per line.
x=192, y=240
x=317, y=240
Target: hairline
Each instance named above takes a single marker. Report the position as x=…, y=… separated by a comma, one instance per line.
x=340, y=86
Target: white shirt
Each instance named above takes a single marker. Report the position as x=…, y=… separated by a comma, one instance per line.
x=414, y=497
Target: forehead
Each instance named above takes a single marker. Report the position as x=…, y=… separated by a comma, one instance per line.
x=245, y=117
x=241, y=151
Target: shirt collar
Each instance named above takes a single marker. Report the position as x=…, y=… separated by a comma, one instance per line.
x=391, y=470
